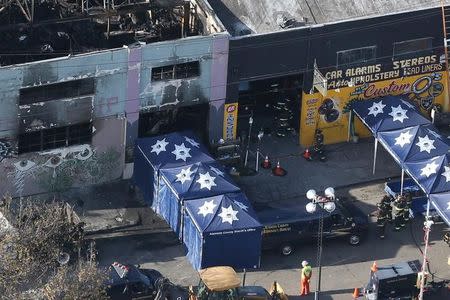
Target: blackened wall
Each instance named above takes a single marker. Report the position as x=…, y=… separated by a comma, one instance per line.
x=293, y=51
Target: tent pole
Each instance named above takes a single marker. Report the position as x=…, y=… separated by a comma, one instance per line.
x=375, y=155
x=182, y=221
x=402, y=180
x=349, y=126
x=245, y=275
x=427, y=228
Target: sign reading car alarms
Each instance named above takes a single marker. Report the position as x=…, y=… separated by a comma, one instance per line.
x=230, y=121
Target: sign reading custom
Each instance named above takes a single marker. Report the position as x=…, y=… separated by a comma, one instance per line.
x=378, y=72
x=230, y=121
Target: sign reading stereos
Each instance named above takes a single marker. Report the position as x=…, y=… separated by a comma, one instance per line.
x=398, y=68
x=421, y=80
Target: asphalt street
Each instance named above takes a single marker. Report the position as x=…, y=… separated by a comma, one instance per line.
x=344, y=267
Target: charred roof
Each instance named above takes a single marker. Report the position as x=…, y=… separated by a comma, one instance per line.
x=44, y=29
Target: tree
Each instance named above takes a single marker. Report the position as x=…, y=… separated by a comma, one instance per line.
x=33, y=255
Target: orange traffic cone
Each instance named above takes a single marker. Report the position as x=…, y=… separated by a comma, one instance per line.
x=374, y=267
x=356, y=293
x=278, y=170
x=266, y=163
x=307, y=154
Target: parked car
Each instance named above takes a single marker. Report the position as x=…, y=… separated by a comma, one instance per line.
x=288, y=224
x=222, y=283
x=127, y=282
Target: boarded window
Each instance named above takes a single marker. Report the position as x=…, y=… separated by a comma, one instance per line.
x=60, y=90
x=53, y=138
x=413, y=48
x=357, y=56
x=179, y=71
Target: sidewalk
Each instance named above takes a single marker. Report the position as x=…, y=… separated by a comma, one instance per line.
x=110, y=207
x=347, y=164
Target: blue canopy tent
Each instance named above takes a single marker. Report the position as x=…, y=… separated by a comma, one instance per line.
x=442, y=204
x=222, y=230
x=387, y=114
x=432, y=175
x=413, y=144
x=170, y=150
x=195, y=181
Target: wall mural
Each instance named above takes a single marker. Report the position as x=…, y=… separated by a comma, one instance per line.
x=59, y=169
x=330, y=113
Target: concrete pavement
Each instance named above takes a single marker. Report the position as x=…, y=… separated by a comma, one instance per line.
x=344, y=267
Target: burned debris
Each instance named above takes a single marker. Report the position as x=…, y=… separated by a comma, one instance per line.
x=33, y=30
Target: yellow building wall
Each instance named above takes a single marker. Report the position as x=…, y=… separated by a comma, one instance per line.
x=424, y=90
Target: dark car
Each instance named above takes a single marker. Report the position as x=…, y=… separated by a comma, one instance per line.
x=288, y=224
x=126, y=282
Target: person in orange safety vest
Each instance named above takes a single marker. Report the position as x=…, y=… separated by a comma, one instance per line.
x=305, y=278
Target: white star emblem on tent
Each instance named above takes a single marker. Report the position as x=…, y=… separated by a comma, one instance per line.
x=241, y=205
x=192, y=142
x=398, y=113
x=207, y=208
x=403, y=139
x=446, y=174
x=228, y=215
x=206, y=181
x=429, y=169
x=425, y=144
x=448, y=205
x=376, y=108
x=217, y=171
x=159, y=146
x=184, y=175
x=181, y=152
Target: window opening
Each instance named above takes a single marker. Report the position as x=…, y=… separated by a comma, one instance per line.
x=356, y=56
x=416, y=47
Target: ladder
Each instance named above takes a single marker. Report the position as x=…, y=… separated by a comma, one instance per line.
x=446, y=31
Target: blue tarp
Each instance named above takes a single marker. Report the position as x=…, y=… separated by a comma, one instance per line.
x=388, y=113
x=414, y=143
x=432, y=175
x=222, y=230
x=442, y=204
x=196, y=181
x=166, y=151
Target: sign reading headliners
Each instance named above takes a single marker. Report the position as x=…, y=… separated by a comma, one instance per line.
x=377, y=72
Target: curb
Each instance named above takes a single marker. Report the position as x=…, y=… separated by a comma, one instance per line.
x=380, y=180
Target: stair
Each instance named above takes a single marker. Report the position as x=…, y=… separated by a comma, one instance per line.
x=446, y=30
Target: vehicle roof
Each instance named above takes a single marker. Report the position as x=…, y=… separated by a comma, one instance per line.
x=219, y=278
x=287, y=211
x=133, y=275
x=398, y=269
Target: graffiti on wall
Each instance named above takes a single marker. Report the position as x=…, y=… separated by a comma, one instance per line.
x=59, y=169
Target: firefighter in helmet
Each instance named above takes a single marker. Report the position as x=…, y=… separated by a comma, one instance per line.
x=398, y=212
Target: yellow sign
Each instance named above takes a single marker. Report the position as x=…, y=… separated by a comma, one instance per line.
x=230, y=121
x=330, y=113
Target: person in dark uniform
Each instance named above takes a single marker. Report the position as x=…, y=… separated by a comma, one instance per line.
x=383, y=215
x=408, y=201
x=398, y=212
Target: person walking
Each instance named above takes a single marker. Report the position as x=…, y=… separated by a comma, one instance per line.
x=305, y=278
